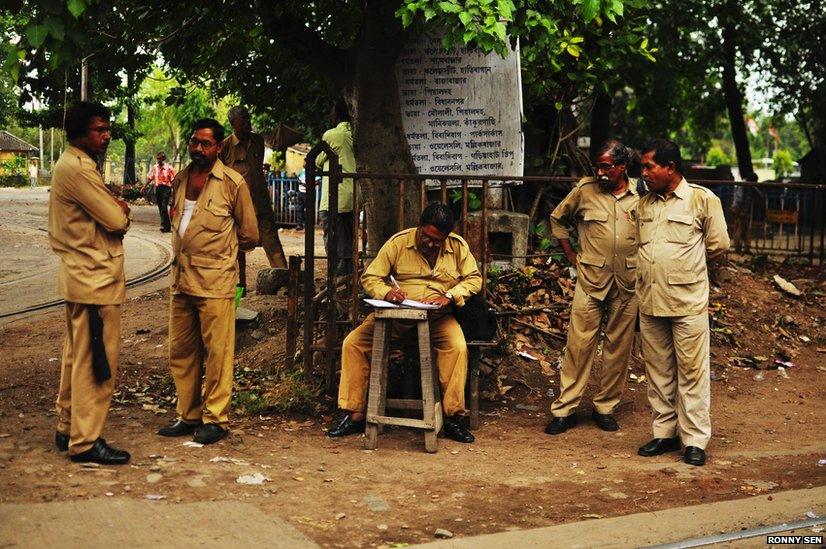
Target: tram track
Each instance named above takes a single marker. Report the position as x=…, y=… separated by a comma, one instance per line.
x=155, y=274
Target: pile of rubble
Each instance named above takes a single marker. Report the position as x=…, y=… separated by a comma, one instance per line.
x=532, y=307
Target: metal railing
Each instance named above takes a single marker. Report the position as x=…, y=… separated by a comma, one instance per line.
x=799, y=232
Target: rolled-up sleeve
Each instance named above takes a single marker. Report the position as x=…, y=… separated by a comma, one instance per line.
x=471, y=280
x=563, y=216
x=716, y=231
x=374, y=279
x=245, y=219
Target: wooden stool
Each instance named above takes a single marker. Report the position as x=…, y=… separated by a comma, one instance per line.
x=377, y=402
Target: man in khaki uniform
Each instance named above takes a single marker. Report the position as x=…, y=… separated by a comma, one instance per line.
x=602, y=209
x=243, y=151
x=430, y=264
x=212, y=217
x=679, y=225
x=86, y=228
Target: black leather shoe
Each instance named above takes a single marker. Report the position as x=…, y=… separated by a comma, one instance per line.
x=455, y=431
x=559, y=425
x=209, y=433
x=61, y=441
x=694, y=456
x=606, y=422
x=659, y=446
x=346, y=426
x=102, y=453
x=179, y=428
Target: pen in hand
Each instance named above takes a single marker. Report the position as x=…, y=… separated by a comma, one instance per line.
x=396, y=295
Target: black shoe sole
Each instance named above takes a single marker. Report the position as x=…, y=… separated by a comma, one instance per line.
x=560, y=430
x=178, y=433
x=211, y=440
x=642, y=453
x=61, y=442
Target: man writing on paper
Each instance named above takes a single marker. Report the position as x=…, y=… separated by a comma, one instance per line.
x=432, y=265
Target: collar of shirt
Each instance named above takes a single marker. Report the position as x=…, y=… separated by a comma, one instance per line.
x=76, y=151
x=682, y=191
x=217, y=170
x=630, y=189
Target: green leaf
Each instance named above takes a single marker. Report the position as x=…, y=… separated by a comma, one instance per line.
x=574, y=50
x=505, y=8
x=76, y=7
x=577, y=40
x=55, y=28
x=468, y=36
x=449, y=7
x=36, y=35
x=465, y=18
x=429, y=13
x=590, y=9
x=407, y=18
x=500, y=30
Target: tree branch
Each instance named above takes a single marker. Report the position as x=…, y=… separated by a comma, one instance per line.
x=305, y=44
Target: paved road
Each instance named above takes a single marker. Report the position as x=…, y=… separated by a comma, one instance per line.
x=28, y=275
x=121, y=522
x=662, y=527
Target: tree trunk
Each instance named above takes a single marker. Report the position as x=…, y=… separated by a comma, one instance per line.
x=734, y=105
x=600, y=121
x=129, y=139
x=379, y=140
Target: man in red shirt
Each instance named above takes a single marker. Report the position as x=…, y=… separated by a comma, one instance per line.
x=162, y=174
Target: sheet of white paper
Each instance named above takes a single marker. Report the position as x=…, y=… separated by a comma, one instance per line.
x=406, y=304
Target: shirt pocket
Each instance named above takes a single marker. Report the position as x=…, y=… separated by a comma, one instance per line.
x=216, y=218
x=679, y=228
x=596, y=224
x=646, y=230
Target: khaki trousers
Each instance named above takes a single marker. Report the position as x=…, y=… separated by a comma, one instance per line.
x=676, y=352
x=82, y=403
x=448, y=342
x=620, y=308
x=202, y=335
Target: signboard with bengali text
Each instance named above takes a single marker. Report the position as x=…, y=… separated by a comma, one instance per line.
x=461, y=109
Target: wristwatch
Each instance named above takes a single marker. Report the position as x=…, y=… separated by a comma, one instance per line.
x=449, y=296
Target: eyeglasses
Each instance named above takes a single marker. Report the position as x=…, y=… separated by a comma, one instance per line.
x=604, y=166
x=194, y=143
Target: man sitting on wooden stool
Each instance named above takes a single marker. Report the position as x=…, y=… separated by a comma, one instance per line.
x=430, y=264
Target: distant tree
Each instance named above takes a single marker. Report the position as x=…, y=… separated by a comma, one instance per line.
x=716, y=156
x=783, y=163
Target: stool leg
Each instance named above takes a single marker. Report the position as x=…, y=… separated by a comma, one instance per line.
x=377, y=392
x=432, y=410
x=474, y=395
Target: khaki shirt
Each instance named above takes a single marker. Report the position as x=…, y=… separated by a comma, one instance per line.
x=340, y=140
x=676, y=233
x=224, y=218
x=455, y=270
x=607, y=239
x=86, y=227
x=249, y=162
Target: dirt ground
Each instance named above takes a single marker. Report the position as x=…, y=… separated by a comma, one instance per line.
x=767, y=432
